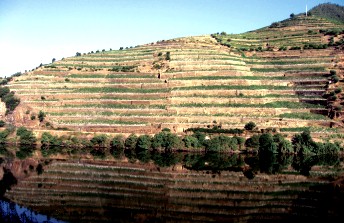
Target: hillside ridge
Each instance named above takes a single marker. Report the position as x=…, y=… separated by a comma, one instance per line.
x=287, y=77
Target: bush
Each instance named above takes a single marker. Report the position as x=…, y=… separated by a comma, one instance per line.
x=2, y=123
x=250, y=126
x=9, y=99
x=26, y=137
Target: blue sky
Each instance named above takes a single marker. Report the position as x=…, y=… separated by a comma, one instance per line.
x=35, y=31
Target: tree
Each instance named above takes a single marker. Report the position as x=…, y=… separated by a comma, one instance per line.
x=53, y=60
x=252, y=142
x=99, y=140
x=118, y=142
x=144, y=142
x=283, y=145
x=292, y=15
x=303, y=143
x=41, y=116
x=191, y=142
x=26, y=136
x=266, y=144
x=130, y=142
x=250, y=126
x=78, y=54
x=166, y=140
x=222, y=143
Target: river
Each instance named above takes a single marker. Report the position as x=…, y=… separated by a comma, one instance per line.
x=172, y=187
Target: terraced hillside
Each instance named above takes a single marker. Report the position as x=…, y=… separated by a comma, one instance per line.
x=272, y=76
x=88, y=191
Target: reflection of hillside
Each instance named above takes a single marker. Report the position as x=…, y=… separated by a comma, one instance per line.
x=165, y=188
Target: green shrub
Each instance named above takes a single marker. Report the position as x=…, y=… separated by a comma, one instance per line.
x=250, y=126
x=26, y=136
x=191, y=142
x=2, y=123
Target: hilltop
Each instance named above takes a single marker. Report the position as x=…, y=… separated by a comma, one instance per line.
x=286, y=78
x=329, y=11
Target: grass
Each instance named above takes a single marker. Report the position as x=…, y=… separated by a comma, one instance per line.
x=116, y=106
x=303, y=115
x=119, y=90
x=277, y=104
x=244, y=77
x=234, y=87
x=110, y=122
x=286, y=62
x=311, y=129
x=109, y=76
x=289, y=69
x=103, y=113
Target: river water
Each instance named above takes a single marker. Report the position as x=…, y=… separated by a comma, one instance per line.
x=172, y=187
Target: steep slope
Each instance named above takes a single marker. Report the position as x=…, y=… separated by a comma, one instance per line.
x=272, y=76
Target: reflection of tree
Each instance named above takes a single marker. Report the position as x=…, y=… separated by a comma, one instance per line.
x=266, y=163
x=165, y=159
x=303, y=163
x=214, y=162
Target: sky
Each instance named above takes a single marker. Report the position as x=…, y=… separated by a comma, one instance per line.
x=36, y=31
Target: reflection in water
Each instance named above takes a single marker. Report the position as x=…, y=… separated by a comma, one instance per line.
x=152, y=186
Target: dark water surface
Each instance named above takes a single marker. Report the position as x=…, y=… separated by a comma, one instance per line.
x=173, y=187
